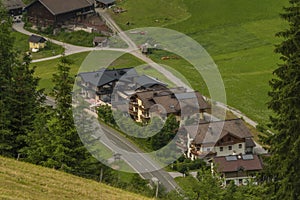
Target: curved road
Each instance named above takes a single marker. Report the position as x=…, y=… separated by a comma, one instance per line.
x=162, y=175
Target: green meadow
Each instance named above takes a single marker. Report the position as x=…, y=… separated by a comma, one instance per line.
x=238, y=34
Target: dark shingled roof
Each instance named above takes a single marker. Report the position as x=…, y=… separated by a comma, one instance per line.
x=106, y=1
x=211, y=132
x=173, y=100
x=36, y=39
x=191, y=103
x=13, y=4
x=58, y=7
x=105, y=76
x=147, y=82
x=233, y=165
x=169, y=103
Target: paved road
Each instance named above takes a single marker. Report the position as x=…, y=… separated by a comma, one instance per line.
x=136, y=158
x=139, y=161
x=143, y=162
x=134, y=50
x=115, y=28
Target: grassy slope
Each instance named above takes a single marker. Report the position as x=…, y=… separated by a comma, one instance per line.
x=238, y=34
x=143, y=13
x=44, y=70
x=19, y=180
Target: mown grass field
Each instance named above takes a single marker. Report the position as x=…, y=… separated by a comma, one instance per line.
x=21, y=45
x=19, y=180
x=238, y=34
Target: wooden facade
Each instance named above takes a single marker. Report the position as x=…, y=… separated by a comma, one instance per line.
x=41, y=16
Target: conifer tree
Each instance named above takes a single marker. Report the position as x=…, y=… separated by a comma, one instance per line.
x=284, y=144
x=7, y=60
x=25, y=98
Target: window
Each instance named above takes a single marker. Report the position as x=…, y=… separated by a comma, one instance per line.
x=221, y=148
x=240, y=146
x=229, y=147
x=208, y=149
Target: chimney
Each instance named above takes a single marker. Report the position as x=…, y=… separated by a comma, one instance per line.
x=210, y=129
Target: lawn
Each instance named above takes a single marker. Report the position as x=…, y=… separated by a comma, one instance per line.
x=144, y=13
x=238, y=34
x=19, y=180
x=21, y=44
x=44, y=70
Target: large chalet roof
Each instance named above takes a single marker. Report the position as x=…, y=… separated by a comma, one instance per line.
x=169, y=103
x=192, y=100
x=234, y=163
x=173, y=100
x=13, y=4
x=211, y=132
x=59, y=7
x=105, y=76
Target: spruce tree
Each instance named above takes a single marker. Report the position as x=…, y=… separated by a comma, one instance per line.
x=66, y=145
x=25, y=98
x=284, y=144
x=6, y=61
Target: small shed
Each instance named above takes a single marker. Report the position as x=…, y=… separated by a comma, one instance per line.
x=105, y=3
x=36, y=42
x=100, y=41
x=145, y=48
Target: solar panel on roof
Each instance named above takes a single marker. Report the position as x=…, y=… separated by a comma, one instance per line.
x=230, y=158
x=248, y=157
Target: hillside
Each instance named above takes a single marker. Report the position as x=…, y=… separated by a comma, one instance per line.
x=238, y=34
x=19, y=180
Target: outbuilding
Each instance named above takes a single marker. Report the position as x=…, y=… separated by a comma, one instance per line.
x=36, y=42
x=100, y=42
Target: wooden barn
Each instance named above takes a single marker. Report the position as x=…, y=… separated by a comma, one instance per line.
x=55, y=13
